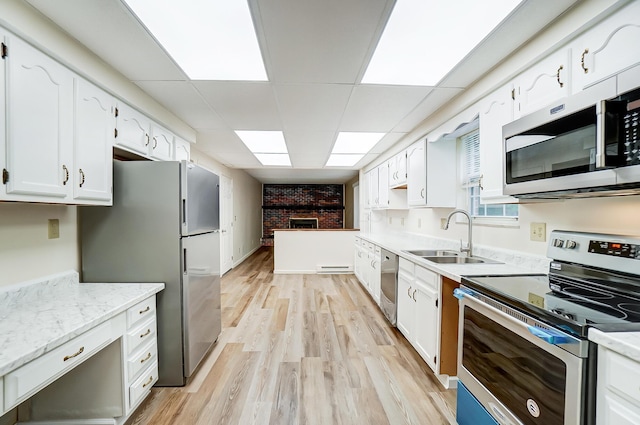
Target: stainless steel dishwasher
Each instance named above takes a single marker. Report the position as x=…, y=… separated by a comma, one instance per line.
x=389, y=285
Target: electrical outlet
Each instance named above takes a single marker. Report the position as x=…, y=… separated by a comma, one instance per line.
x=401, y=221
x=443, y=223
x=390, y=219
x=419, y=223
x=54, y=228
x=538, y=232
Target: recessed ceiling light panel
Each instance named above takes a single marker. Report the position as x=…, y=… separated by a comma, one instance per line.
x=208, y=39
x=356, y=142
x=263, y=141
x=343, y=160
x=274, y=159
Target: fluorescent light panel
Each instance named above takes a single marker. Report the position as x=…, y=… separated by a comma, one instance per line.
x=263, y=141
x=353, y=142
x=274, y=159
x=208, y=39
x=343, y=160
x=424, y=40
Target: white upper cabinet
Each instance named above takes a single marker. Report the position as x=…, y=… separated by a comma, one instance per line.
x=607, y=48
x=431, y=174
x=182, y=150
x=39, y=125
x=398, y=170
x=161, y=145
x=139, y=134
x=383, y=186
x=95, y=125
x=495, y=111
x=545, y=82
x=372, y=186
x=132, y=130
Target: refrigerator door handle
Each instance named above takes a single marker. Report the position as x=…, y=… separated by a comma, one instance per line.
x=184, y=211
x=184, y=260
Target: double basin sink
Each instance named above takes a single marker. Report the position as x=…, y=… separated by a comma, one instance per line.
x=449, y=257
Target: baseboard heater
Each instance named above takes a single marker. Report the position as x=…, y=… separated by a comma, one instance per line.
x=334, y=269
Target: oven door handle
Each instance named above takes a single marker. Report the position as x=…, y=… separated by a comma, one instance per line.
x=460, y=293
x=550, y=336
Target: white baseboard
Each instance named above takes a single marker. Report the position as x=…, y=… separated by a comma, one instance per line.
x=247, y=255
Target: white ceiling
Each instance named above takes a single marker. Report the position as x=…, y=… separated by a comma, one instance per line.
x=315, y=53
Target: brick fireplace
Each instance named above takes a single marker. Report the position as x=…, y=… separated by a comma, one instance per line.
x=282, y=202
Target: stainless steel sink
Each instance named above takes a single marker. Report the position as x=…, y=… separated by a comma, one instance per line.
x=433, y=253
x=460, y=260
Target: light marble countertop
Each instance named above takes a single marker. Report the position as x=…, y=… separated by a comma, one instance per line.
x=40, y=315
x=625, y=343
x=511, y=262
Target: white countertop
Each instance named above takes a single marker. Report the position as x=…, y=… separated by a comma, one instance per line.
x=38, y=316
x=625, y=343
x=510, y=262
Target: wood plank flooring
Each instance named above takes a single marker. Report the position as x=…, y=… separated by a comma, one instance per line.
x=302, y=349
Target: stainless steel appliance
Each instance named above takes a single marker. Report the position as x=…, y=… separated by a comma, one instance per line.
x=584, y=145
x=523, y=348
x=389, y=285
x=163, y=227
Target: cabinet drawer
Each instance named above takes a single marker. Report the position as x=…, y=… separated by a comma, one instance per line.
x=143, y=384
x=406, y=265
x=141, y=335
x=614, y=411
x=141, y=311
x=622, y=375
x=428, y=277
x=28, y=379
x=141, y=359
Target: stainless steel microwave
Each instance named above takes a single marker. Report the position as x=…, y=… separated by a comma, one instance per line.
x=584, y=145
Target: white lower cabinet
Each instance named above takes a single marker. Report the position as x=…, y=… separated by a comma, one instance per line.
x=418, y=317
x=618, y=389
x=367, y=267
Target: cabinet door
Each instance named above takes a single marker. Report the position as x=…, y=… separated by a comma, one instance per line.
x=405, y=305
x=161, y=145
x=94, y=136
x=383, y=186
x=182, y=150
x=133, y=130
x=374, y=278
x=426, y=330
x=607, y=48
x=372, y=179
x=416, y=174
x=544, y=83
x=494, y=113
x=401, y=169
x=39, y=104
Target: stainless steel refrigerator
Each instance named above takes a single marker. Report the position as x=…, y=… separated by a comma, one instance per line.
x=163, y=227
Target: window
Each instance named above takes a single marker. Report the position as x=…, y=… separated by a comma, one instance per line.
x=472, y=178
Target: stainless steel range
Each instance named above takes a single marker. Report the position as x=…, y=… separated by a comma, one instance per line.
x=524, y=356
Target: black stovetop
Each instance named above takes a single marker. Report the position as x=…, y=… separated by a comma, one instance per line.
x=568, y=302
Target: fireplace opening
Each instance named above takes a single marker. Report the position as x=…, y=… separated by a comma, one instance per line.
x=303, y=223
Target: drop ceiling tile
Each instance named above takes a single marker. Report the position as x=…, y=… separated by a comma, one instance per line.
x=242, y=105
x=379, y=108
x=313, y=107
x=327, y=41
x=115, y=35
x=387, y=141
x=434, y=100
x=309, y=149
x=183, y=99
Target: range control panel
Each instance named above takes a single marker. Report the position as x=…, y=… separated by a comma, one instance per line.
x=616, y=249
x=611, y=252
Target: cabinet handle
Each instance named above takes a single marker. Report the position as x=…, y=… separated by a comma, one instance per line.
x=422, y=193
x=146, y=333
x=586, y=70
x=66, y=174
x=148, y=382
x=414, y=295
x=408, y=292
x=145, y=310
x=76, y=354
x=147, y=137
x=558, y=76
x=155, y=143
x=146, y=358
x=81, y=177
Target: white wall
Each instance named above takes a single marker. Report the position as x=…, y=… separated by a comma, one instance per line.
x=25, y=251
x=608, y=215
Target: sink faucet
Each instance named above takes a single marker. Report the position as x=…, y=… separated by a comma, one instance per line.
x=469, y=248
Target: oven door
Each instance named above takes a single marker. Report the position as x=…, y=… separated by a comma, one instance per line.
x=517, y=376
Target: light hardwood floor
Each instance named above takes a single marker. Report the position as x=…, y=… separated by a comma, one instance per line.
x=302, y=349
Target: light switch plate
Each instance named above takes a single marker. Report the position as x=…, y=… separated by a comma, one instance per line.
x=538, y=232
x=54, y=228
